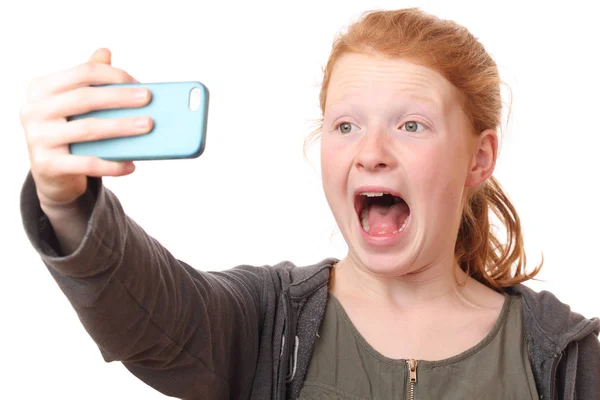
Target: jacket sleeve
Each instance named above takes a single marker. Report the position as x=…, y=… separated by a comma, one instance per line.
x=187, y=333
x=587, y=384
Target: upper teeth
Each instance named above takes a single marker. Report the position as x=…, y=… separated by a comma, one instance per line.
x=372, y=194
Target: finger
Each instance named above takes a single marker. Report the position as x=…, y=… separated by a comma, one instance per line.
x=87, y=74
x=102, y=56
x=88, y=129
x=86, y=99
x=68, y=164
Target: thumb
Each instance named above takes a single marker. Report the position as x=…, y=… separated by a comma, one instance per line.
x=102, y=56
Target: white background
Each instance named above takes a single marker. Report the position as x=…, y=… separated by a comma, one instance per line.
x=252, y=197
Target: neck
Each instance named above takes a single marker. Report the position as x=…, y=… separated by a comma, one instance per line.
x=436, y=284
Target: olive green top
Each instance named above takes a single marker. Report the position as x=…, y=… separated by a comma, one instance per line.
x=344, y=366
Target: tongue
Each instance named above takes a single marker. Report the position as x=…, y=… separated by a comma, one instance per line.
x=384, y=220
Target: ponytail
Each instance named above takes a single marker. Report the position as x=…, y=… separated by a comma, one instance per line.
x=478, y=250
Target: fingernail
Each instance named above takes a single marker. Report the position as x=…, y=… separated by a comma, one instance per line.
x=142, y=124
x=141, y=94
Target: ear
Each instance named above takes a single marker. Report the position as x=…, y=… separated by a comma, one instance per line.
x=483, y=161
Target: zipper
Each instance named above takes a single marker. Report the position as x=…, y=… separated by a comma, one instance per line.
x=412, y=377
x=286, y=342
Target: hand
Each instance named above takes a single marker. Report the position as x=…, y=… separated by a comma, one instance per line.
x=60, y=176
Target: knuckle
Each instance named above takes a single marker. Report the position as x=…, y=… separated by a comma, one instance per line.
x=86, y=130
x=122, y=76
x=34, y=134
x=83, y=95
x=40, y=160
x=117, y=125
x=91, y=164
x=26, y=112
x=30, y=114
x=86, y=125
x=35, y=91
x=88, y=69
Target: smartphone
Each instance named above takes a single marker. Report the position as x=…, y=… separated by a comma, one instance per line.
x=179, y=111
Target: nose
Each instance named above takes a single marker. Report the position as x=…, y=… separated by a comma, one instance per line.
x=375, y=152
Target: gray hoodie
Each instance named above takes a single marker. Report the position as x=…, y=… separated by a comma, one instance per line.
x=247, y=332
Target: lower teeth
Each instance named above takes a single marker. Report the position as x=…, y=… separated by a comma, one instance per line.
x=364, y=220
x=403, y=226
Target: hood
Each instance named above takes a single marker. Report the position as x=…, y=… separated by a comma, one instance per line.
x=552, y=322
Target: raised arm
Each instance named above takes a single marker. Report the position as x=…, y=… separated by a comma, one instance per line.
x=187, y=333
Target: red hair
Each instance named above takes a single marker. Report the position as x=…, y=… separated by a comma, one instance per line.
x=451, y=50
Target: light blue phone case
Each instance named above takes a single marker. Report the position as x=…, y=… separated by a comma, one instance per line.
x=178, y=132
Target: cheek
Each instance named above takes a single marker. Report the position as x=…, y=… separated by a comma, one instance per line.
x=327, y=160
x=441, y=175
x=336, y=153
x=332, y=168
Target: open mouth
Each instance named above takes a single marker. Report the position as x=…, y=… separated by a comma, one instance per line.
x=381, y=213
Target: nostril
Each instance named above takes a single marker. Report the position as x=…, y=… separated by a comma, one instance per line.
x=375, y=166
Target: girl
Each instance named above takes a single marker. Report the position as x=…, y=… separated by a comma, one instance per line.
x=427, y=304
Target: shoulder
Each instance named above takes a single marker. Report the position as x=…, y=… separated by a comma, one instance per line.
x=286, y=276
x=560, y=341
x=551, y=323
x=303, y=280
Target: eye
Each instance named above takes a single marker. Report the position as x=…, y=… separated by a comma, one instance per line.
x=346, y=127
x=413, y=126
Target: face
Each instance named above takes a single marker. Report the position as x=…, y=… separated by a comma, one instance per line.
x=397, y=159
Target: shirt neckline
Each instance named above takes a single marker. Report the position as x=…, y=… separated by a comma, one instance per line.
x=426, y=363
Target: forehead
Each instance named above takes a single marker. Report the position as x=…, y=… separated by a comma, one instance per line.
x=356, y=74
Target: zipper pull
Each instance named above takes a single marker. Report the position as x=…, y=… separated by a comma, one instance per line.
x=412, y=377
x=412, y=367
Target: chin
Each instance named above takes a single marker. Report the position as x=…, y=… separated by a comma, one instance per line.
x=386, y=264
